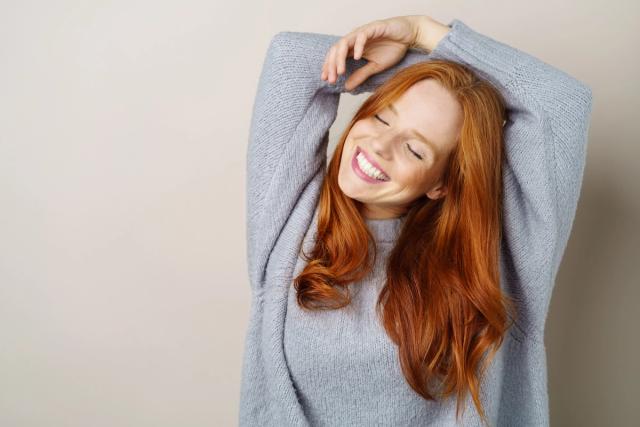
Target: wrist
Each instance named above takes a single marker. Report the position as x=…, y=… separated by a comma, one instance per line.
x=428, y=32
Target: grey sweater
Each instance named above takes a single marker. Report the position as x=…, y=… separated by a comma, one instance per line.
x=338, y=367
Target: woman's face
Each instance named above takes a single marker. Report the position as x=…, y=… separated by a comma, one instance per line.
x=409, y=165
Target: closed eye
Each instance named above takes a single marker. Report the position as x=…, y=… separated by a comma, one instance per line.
x=414, y=153
x=378, y=117
x=408, y=146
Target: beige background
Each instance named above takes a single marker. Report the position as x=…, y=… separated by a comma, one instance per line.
x=123, y=287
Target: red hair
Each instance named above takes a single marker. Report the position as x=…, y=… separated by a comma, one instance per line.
x=441, y=304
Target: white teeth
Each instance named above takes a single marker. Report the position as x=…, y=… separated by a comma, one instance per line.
x=369, y=169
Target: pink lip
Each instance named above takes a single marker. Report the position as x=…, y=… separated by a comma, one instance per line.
x=360, y=173
x=373, y=162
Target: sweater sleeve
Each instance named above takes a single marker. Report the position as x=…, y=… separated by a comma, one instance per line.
x=545, y=142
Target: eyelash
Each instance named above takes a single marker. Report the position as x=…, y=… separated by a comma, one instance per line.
x=410, y=149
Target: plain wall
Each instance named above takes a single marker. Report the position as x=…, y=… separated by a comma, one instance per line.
x=124, y=295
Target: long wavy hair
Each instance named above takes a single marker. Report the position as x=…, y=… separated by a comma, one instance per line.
x=441, y=304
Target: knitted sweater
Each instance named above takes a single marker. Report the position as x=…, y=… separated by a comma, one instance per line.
x=338, y=368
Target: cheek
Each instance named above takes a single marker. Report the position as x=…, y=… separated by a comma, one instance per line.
x=412, y=171
x=348, y=150
x=347, y=154
x=414, y=176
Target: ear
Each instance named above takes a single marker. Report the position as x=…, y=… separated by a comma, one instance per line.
x=437, y=192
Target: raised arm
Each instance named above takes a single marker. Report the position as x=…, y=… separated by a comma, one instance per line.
x=545, y=147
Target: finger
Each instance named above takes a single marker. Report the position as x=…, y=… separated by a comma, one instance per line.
x=358, y=47
x=360, y=75
x=343, y=52
x=332, y=64
x=364, y=33
x=374, y=30
x=325, y=65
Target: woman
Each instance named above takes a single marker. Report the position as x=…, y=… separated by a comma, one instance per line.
x=408, y=283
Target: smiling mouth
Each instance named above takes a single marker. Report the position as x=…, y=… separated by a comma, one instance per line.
x=366, y=169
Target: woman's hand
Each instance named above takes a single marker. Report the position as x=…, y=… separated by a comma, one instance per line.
x=383, y=43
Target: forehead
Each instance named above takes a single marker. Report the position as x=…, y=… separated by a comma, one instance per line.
x=432, y=110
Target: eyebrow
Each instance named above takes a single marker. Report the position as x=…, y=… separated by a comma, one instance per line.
x=417, y=134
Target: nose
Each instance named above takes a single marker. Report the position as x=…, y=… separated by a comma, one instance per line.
x=383, y=145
